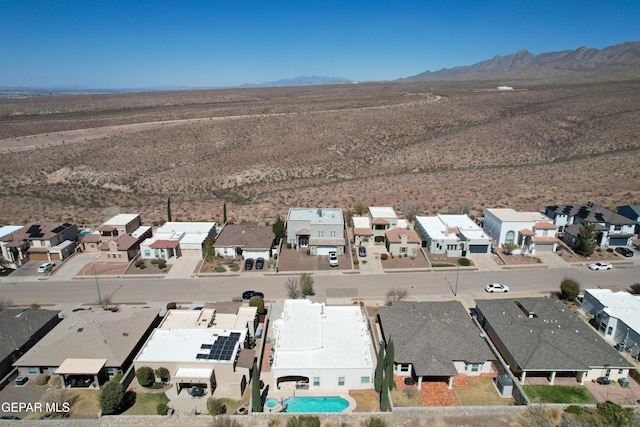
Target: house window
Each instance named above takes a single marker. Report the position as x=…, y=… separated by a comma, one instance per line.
x=545, y=232
x=320, y=233
x=475, y=367
x=510, y=237
x=561, y=228
x=620, y=371
x=403, y=250
x=610, y=330
x=147, y=253
x=114, y=256
x=316, y=381
x=332, y=233
x=617, y=228
x=405, y=367
x=340, y=381
x=33, y=370
x=111, y=372
x=92, y=245
x=365, y=380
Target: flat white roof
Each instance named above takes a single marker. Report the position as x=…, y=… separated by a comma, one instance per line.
x=204, y=373
x=382, y=212
x=620, y=305
x=184, y=345
x=312, y=335
x=316, y=215
x=361, y=222
x=140, y=231
x=186, y=227
x=8, y=229
x=508, y=214
x=121, y=219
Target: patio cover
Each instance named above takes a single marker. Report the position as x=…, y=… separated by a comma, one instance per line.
x=190, y=374
x=81, y=366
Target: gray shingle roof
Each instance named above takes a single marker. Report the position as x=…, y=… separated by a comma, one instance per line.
x=432, y=335
x=17, y=326
x=248, y=235
x=554, y=340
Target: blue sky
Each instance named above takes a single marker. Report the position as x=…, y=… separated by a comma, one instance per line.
x=138, y=44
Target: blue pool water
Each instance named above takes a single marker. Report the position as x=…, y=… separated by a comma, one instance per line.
x=316, y=404
x=271, y=402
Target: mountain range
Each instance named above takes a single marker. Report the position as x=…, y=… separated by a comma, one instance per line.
x=622, y=60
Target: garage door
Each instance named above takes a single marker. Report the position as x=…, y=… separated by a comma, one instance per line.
x=478, y=249
x=544, y=248
x=618, y=242
x=325, y=250
x=39, y=256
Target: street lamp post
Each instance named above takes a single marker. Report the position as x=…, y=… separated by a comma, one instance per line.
x=95, y=276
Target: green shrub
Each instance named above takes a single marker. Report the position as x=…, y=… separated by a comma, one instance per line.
x=162, y=409
x=574, y=409
x=162, y=264
x=117, y=378
x=464, y=262
x=220, y=269
x=570, y=288
x=155, y=261
x=610, y=250
x=140, y=263
x=356, y=262
x=42, y=379
x=405, y=255
x=614, y=414
x=235, y=267
x=304, y=421
x=375, y=422
x=163, y=374
x=145, y=376
x=215, y=406
x=257, y=302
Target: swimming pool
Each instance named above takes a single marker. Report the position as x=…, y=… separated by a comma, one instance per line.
x=316, y=404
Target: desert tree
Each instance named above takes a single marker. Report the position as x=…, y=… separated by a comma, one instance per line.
x=292, y=287
x=460, y=208
x=389, y=355
x=306, y=284
x=111, y=397
x=215, y=406
x=411, y=210
x=168, y=209
x=145, y=376
x=257, y=302
x=256, y=399
x=586, y=240
x=224, y=212
x=279, y=229
x=396, y=294
x=378, y=376
x=570, y=288
x=360, y=209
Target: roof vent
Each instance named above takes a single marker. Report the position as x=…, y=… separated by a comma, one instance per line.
x=319, y=212
x=79, y=330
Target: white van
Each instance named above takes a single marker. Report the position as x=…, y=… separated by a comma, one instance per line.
x=46, y=267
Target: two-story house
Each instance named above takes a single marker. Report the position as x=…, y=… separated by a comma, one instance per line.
x=51, y=241
x=382, y=219
x=14, y=246
x=612, y=229
x=321, y=230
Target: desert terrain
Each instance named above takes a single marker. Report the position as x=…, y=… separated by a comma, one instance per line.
x=83, y=158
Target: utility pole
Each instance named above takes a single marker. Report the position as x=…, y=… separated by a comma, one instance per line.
x=95, y=276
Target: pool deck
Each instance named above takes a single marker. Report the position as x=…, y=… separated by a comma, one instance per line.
x=289, y=390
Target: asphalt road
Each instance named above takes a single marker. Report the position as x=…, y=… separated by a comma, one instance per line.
x=420, y=285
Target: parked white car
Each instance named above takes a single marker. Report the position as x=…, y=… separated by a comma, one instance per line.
x=601, y=266
x=333, y=259
x=46, y=267
x=496, y=287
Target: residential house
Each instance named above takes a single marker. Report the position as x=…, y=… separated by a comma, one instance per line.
x=434, y=341
x=89, y=347
x=119, y=225
x=204, y=348
x=362, y=231
x=382, y=219
x=51, y=241
x=453, y=235
x=530, y=232
x=633, y=213
x=14, y=246
x=19, y=331
x=246, y=239
x=322, y=347
x=401, y=241
x=121, y=249
x=616, y=316
x=541, y=337
x=320, y=230
x=178, y=239
x=612, y=229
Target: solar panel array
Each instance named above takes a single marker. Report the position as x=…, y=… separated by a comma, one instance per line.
x=35, y=231
x=221, y=349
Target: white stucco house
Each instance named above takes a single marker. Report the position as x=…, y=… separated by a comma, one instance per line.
x=529, y=231
x=616, y=316
x=382, y=219
x=321, y=230
x=454, y=235
x=322, y=347
x=178, y=239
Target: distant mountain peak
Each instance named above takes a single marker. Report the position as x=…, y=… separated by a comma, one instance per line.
x=301, y=81
x=523, y=64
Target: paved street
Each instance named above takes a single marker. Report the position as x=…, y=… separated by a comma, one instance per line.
x=429, y=285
